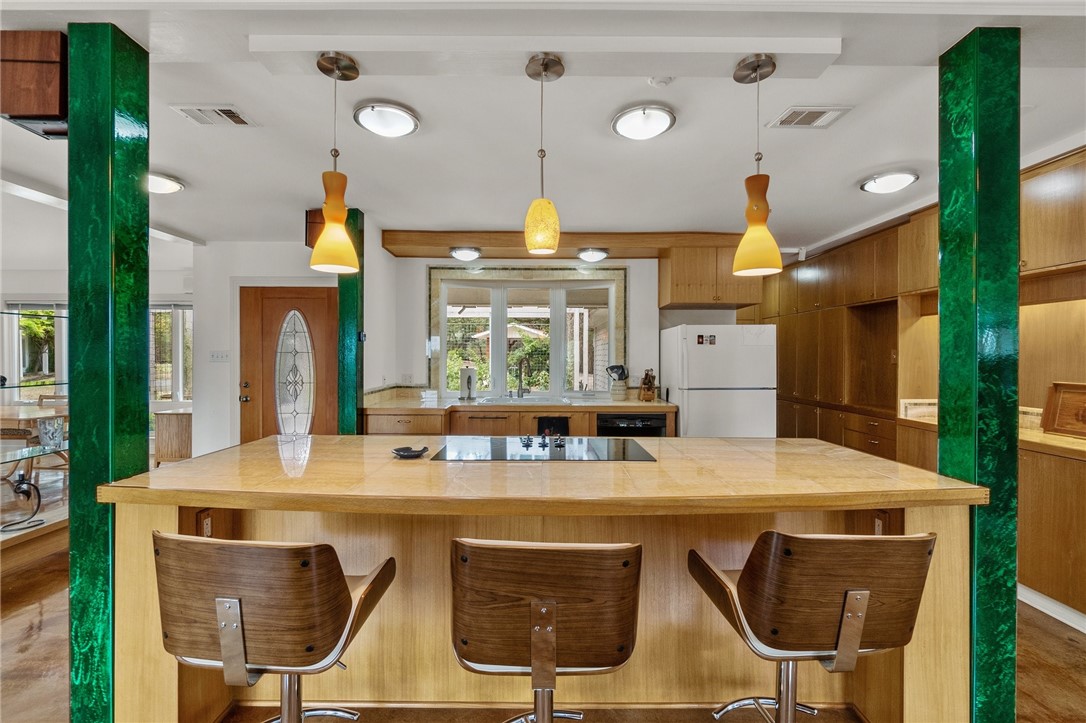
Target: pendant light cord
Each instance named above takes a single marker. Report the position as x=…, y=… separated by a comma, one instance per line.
x=758, y=118
x=542, y=153
x=335, y=124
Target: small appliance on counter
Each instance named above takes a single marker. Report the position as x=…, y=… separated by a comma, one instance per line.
x=618, y=375
x=467, y=382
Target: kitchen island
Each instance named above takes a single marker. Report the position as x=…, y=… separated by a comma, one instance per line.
x=712, y=494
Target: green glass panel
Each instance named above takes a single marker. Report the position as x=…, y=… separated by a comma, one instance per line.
x=108, y=337
x=978, y=343
x=350, y=324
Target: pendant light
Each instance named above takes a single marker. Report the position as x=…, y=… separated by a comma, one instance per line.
x=334, y=252
x=758, y=254
x=541, y=229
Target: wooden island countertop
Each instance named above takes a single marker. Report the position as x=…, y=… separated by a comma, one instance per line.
x=359, y=474
x=713, y=495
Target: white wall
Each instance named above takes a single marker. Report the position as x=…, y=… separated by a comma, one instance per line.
x=412, y=293
x=219, y=271
x=379, y=292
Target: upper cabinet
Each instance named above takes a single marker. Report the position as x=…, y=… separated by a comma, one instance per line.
x=1053, y=214
x=702, y=278
x=918, y=252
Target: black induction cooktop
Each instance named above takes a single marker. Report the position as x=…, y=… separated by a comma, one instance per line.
x=540, y=449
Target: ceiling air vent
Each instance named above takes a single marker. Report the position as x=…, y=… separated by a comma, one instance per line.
x=209, y=114
x=809, y=116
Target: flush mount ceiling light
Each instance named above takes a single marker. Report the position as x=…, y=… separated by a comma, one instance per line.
x=643, y=122
x=465, y=254
x=541, y=227
x=889, y=182
x=592, y=255
x=386, y=119
x=334, y=251
x=157, y=183
x=758, y=254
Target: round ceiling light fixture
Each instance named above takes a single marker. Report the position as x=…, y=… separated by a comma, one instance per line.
x=465, y=253
x=157, y=183
x=386, y=119
x=592, y=255
x=889, y=182
x=643, y=122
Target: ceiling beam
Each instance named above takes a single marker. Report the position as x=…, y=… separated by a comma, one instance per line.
x=510, y=244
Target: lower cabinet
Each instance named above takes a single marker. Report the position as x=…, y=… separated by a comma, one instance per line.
x=796, y=420
x=403, y=423
x=873, y=435
x=918, y=447
x=831, y=426
x=1052, y=526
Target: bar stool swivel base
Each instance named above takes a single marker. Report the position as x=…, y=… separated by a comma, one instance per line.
x=544, y=710
x=785, y=710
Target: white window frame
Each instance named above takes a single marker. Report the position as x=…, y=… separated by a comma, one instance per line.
x=177, y=380
x=499, y=281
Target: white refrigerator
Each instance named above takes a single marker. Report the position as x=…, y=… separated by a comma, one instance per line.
x=723, y=377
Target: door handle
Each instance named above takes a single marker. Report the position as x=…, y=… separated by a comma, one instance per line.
x=243, y=398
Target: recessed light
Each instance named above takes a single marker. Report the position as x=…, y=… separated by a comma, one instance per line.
x=386, y=119
x=592, y=255
x=157, y=183
x=643, y=122
x=464, y=253
x=889, y=182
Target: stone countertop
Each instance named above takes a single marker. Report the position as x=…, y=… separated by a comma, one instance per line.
x=600, y=404
x=691, y=475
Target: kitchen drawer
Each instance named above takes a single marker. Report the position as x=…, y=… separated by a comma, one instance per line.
x=403, y=423
x=873, y=426
x=878, y=446
x=485, y=424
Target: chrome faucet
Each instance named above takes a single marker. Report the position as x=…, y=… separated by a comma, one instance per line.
x=520, y=376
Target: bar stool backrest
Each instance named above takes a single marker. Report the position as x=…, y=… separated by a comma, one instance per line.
x=595, y=588
x=295, y=602
x=792, y=587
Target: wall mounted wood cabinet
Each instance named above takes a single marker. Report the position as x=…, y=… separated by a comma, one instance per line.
x=832, y=355
x=692, y=278
x=918, y=253
x=1053, y=214
x=787, y=281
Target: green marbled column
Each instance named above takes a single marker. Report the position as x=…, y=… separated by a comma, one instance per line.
x=978, y=334
x=108, y=362
x=350, y=323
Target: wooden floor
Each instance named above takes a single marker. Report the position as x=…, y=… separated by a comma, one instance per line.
x=34, y=665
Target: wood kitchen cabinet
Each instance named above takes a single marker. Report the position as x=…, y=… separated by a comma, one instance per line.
x=873, y=435
x=1052, y=218
x=832, y=356
x=831, y=274
x=806, y=363
x=788, y=302
x=918, y=447
x=918, y=253
x=1052, y=526
x=831, y=426
x=786, y=356
x=884, y=274
x=403, y=424
x=771, y=296
x=796, y=420
x=485, y=423
x=702, y=278
x=807, y=285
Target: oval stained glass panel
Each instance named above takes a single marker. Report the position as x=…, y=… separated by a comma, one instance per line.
x=295, y=376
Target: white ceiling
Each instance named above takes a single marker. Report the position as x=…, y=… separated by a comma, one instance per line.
x=473, y=165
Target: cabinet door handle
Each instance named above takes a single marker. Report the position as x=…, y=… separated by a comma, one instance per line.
x=873, y=441
x=487, y=417
x=404, y=421
x=873, y=424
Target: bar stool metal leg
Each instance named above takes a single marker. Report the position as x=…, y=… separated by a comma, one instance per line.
x=291, y=711
x=544, y=710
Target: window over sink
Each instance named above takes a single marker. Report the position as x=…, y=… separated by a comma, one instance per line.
x=554, y=331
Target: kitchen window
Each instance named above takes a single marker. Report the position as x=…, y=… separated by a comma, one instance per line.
x=552, y=330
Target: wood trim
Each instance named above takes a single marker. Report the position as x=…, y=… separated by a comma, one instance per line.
x=1069, y=158
x=510, y=244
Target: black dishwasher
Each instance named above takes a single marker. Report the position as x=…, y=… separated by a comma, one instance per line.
x=631, y=425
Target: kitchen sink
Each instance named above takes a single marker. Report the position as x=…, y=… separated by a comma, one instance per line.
x=527, y=401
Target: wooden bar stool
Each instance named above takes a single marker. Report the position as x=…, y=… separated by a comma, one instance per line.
x=828, y=598
x=544, y=609
x=252, y=608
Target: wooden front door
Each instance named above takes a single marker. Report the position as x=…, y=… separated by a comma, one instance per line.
x=306, y=361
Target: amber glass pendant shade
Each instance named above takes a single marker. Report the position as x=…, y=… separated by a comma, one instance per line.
x=333, y=252
x=758, y=254
x=541, y=229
